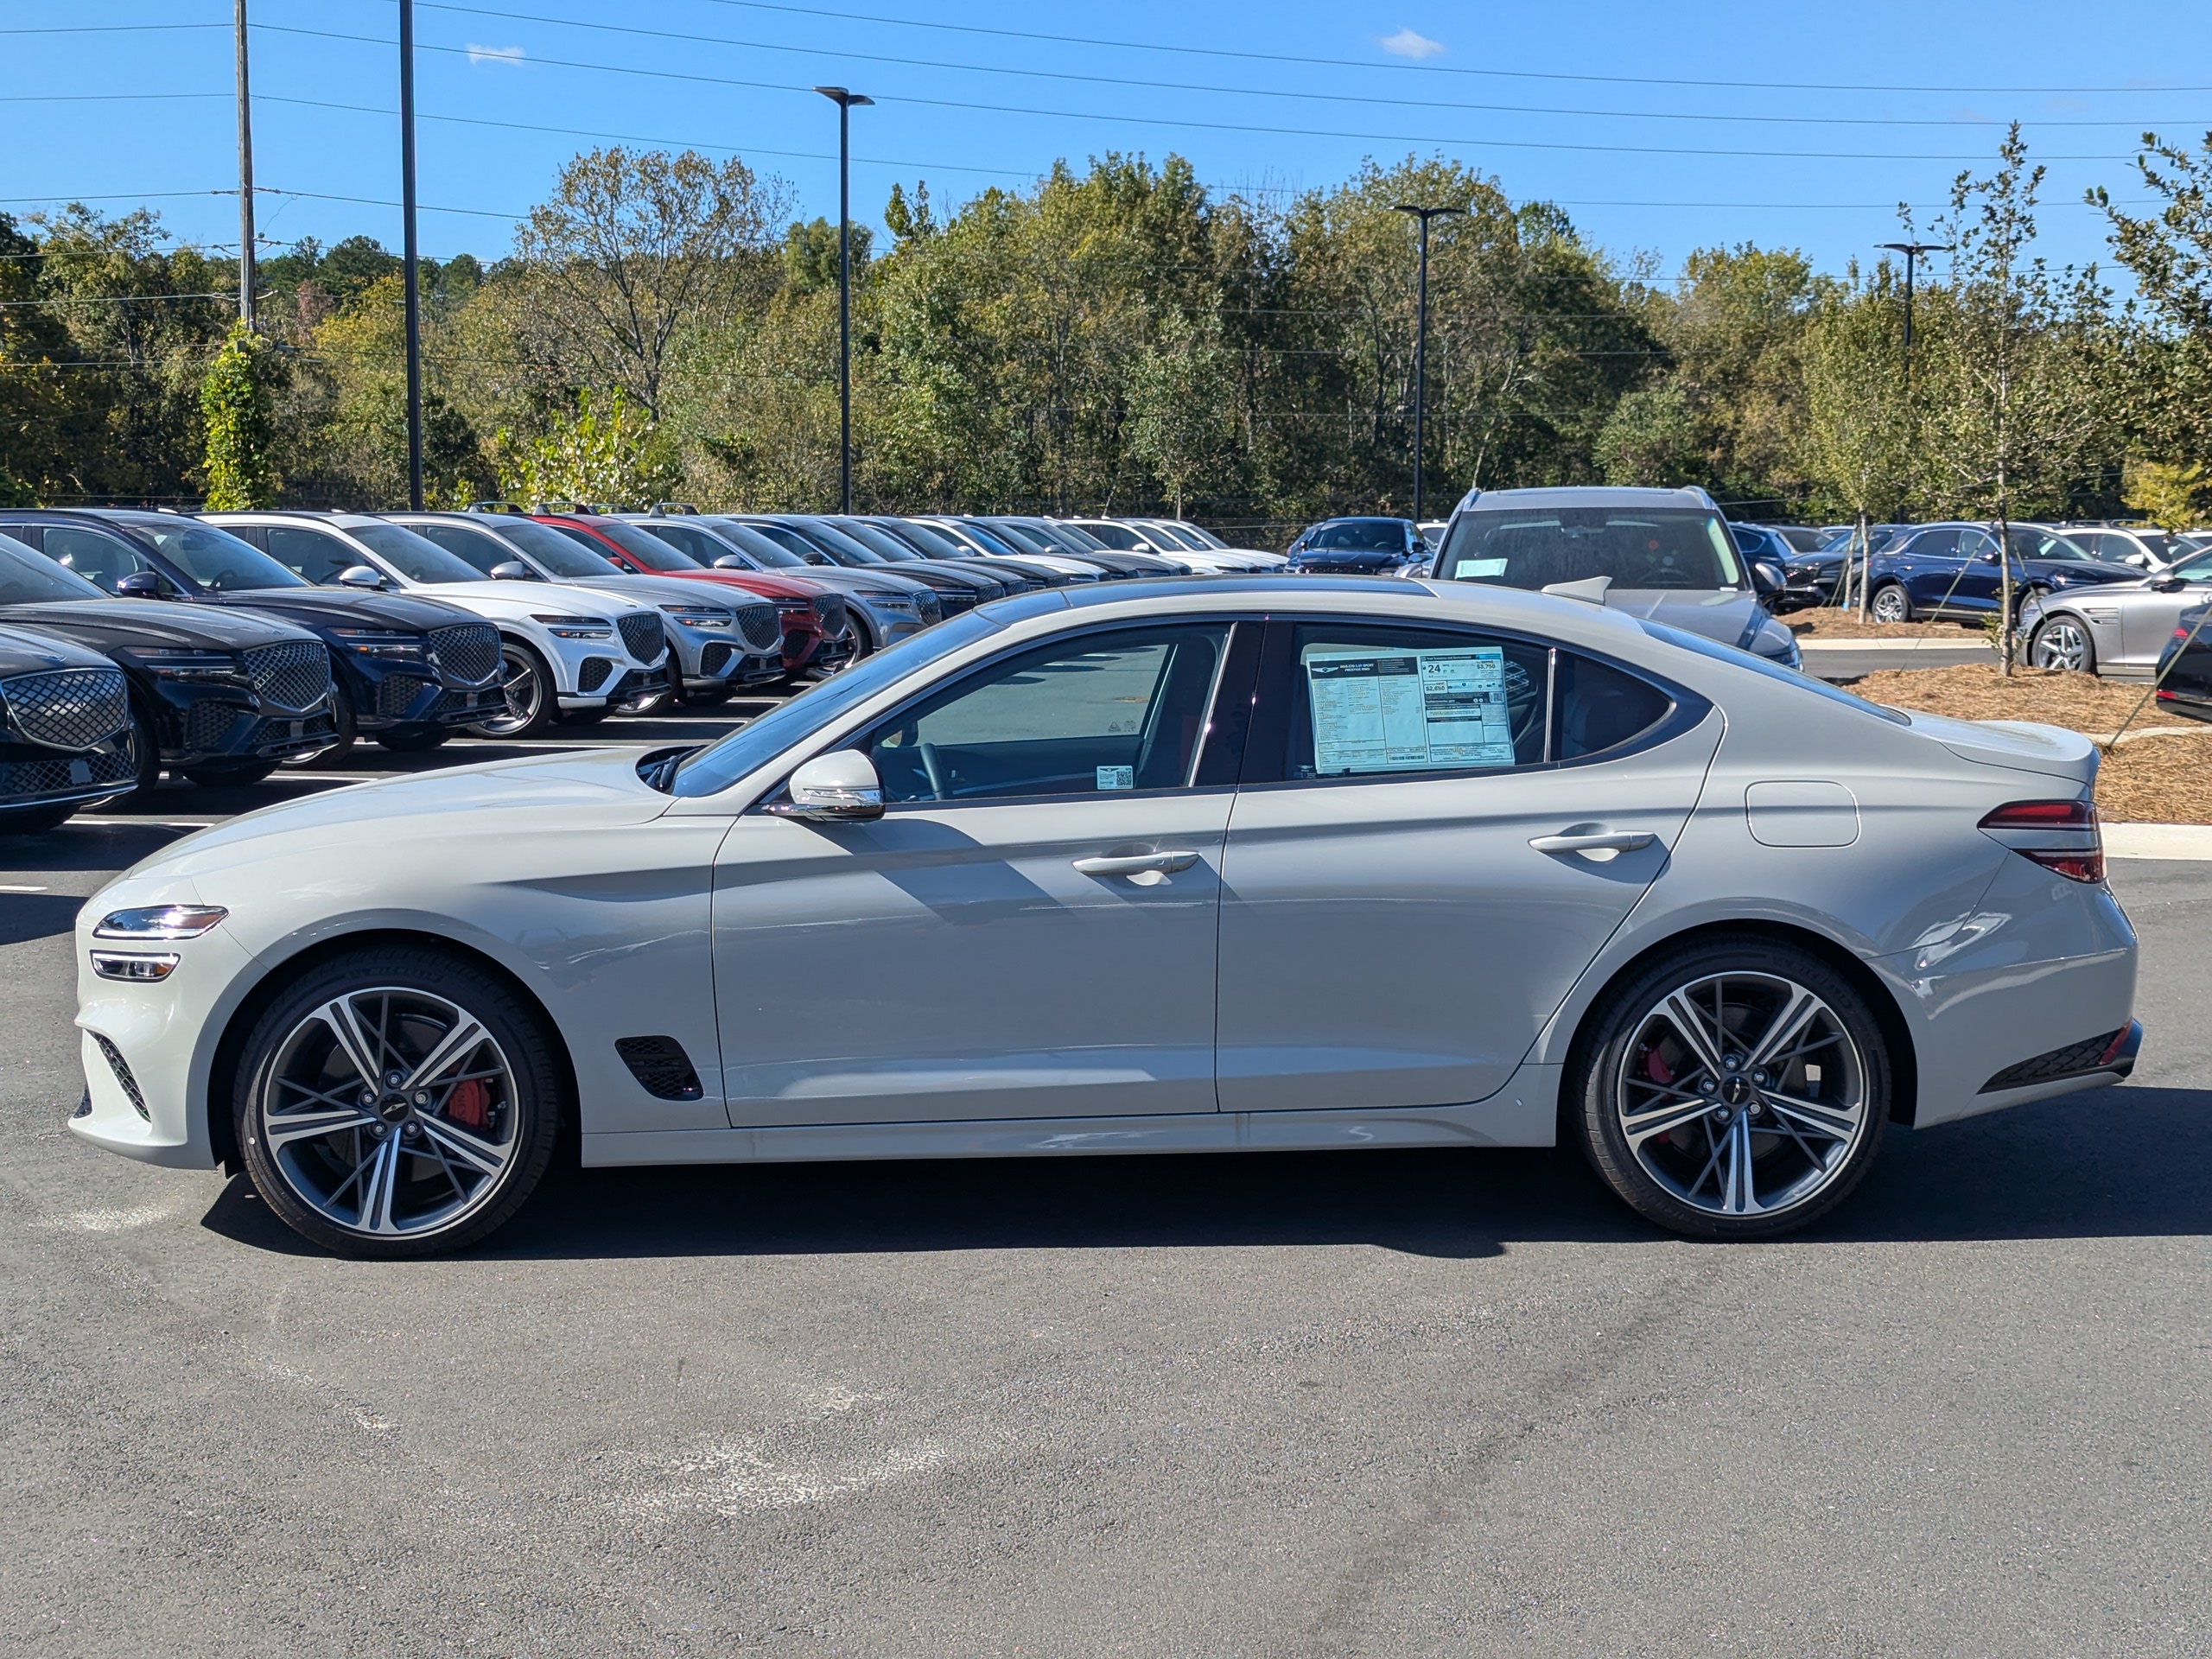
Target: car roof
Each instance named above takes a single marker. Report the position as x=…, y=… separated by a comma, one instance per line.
x=1589, y=495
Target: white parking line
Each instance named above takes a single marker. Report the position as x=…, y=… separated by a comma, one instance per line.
x=10, y=887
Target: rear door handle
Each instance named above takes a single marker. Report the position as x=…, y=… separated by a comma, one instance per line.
x=1606, y=840
x=1138, y=863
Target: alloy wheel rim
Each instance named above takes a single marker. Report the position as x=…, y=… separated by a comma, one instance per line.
x=1887, y=607
x=1743, y=1095
x=2061, y=644
x=525, y=689
x=390, y=1112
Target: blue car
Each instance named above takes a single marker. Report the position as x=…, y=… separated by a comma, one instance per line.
x=1953, y=571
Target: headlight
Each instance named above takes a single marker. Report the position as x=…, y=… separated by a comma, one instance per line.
x=160, y=922
x=696, y=616
x=576, y=627
x=194, y=665
x=894, y=601
x=380, y=642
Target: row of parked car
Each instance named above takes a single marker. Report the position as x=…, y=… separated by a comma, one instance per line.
x=216, y=647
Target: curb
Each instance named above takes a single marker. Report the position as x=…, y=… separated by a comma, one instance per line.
x=1964, y=643
x=2189, y=842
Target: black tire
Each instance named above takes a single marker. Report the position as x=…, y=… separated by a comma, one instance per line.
x=1617, y=1053
x=36, y=820
x=714, y=699
x=416, y=742
x=229, y=774
x=341, y=715
x=1900, y=602
x=145, y=755
x=2058, y=639
x=530, y=1100
x=583, y=716
x=518, y=658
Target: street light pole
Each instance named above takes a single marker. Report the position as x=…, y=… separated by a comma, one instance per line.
x=844, y=100
x=1912, y=250
x=1421, y=345
x=246, y=177
x=408, y=251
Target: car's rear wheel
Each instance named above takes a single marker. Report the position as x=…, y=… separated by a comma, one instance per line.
x=1891, y=604
x=528, y=685
x=2063, y=642
x=420, y=741
x=397, y=1101
x=1737, y=1088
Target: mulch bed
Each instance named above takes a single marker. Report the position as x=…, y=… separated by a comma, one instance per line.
x=2153, y=777
x=1830, y=624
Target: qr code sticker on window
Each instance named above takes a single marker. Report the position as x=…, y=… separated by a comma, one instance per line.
x=1117, y=777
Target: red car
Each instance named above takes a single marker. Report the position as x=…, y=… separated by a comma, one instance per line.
x=817, y=631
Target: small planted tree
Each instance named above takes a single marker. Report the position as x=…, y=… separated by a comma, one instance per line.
x=1182, y=414
x=238, y=411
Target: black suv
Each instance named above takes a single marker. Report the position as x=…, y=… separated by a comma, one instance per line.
x=409, y=672
x=219, y=696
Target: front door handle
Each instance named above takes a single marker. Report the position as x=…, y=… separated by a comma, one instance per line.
x=1139, y=863
x=1603, y=840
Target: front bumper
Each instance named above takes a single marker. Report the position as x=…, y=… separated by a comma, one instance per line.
x=223, y=723
x=389, y=697
x=32, y=775
x=629, y=693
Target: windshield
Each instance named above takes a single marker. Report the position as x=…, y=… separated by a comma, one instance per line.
x=416, y=557
x=791, y=541
x=1013, y=538
x=2030, y=541
x=1637, y=547
x=27, y=579
x=559, y=556
x=834, y=541
x=214, y=559
x=1118, y=535
x=1177, y=537
x=881, y=542
x=2196, y=569
x=930, y=541
x=649, y=551
x=1083, y=539
x=1359, y=536
x=764, y=551
x=751, y=746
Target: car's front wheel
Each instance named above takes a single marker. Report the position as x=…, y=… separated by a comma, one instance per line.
x=397, y=1102
x=528, y=685
x=1891, y=604
x=2062, y=642
x=1736, y=1089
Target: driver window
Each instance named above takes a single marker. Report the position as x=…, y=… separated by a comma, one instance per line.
x=101, y=559
x=311, y=553
x=1109, y=713
x=1934, y=544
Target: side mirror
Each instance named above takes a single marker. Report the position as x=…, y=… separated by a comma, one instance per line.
x=1987, y=558
x=2169, y=585
x=359, y=576
x=1767, y=576
x=512, y=570
x=142, y=584
x=840, y=788
x=731, y=562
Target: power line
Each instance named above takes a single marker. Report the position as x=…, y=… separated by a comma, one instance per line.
x=1154, y=85
x=1210, y=126
x=1339, y=65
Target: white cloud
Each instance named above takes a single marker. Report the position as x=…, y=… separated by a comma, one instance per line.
x=493, y=53
x=1405, y=44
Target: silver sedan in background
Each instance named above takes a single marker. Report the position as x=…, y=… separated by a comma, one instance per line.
x=1187, y=866
x=2120, y=625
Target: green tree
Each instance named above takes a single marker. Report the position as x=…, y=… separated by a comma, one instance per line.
x=1860, y=450
x=601, y=453
x=237, y=407
x=1179, y=424
x=2170, y=494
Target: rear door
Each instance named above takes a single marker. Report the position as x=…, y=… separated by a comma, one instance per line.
x=1394, y=931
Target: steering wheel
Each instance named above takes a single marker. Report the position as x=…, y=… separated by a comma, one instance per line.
x=931, y=771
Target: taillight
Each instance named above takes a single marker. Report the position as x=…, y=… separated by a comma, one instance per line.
x=2060, y=836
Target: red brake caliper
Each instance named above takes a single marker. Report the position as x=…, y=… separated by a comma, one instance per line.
x=469, y=1104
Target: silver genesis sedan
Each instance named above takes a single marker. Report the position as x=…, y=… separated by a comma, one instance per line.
x=1244, y=863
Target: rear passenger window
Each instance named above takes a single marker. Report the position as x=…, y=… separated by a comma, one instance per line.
x=1377, y=700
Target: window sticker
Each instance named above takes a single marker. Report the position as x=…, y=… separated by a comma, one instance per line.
x=1380, y=710
x=1476, y=569
x=1117, y=777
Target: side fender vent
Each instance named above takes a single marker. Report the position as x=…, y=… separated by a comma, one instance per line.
x=660, y=1065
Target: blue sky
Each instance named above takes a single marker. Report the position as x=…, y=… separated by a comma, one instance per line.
x=1809, y=143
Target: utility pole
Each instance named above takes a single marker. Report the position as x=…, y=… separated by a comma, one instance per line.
x=1912, y=250
x=246, y=176
x=844, y=100
x=1420, y=346
x=407, y=253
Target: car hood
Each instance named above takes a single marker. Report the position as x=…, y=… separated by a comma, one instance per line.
x=515, y=601
x=461, y=803
x=1348, y=558
x=23, y=651
x=668, y=591
x=323, y=608
x=137, y=625
x=1729, y=615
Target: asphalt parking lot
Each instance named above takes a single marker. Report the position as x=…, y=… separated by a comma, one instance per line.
x=1314, y=1404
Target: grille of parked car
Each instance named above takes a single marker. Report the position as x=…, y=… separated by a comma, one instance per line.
x=760, y=626
x=469, y=655
x=72, y=708
x=395, y=694
x=21, y=778
x=290, y=676
x=829, y=611
x=642, y=635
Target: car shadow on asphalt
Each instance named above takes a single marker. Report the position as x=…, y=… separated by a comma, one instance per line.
x=2115, y=1162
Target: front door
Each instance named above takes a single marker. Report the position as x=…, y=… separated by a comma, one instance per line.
x=1028, y=931
x=1389, y=935
x=1932, y=570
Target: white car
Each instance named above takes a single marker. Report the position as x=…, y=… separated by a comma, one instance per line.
x=1181, y=866
x=1184, y=540
x=1133, y=536
x=1268, y=560
x=579, y=652
x=1067, y=565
